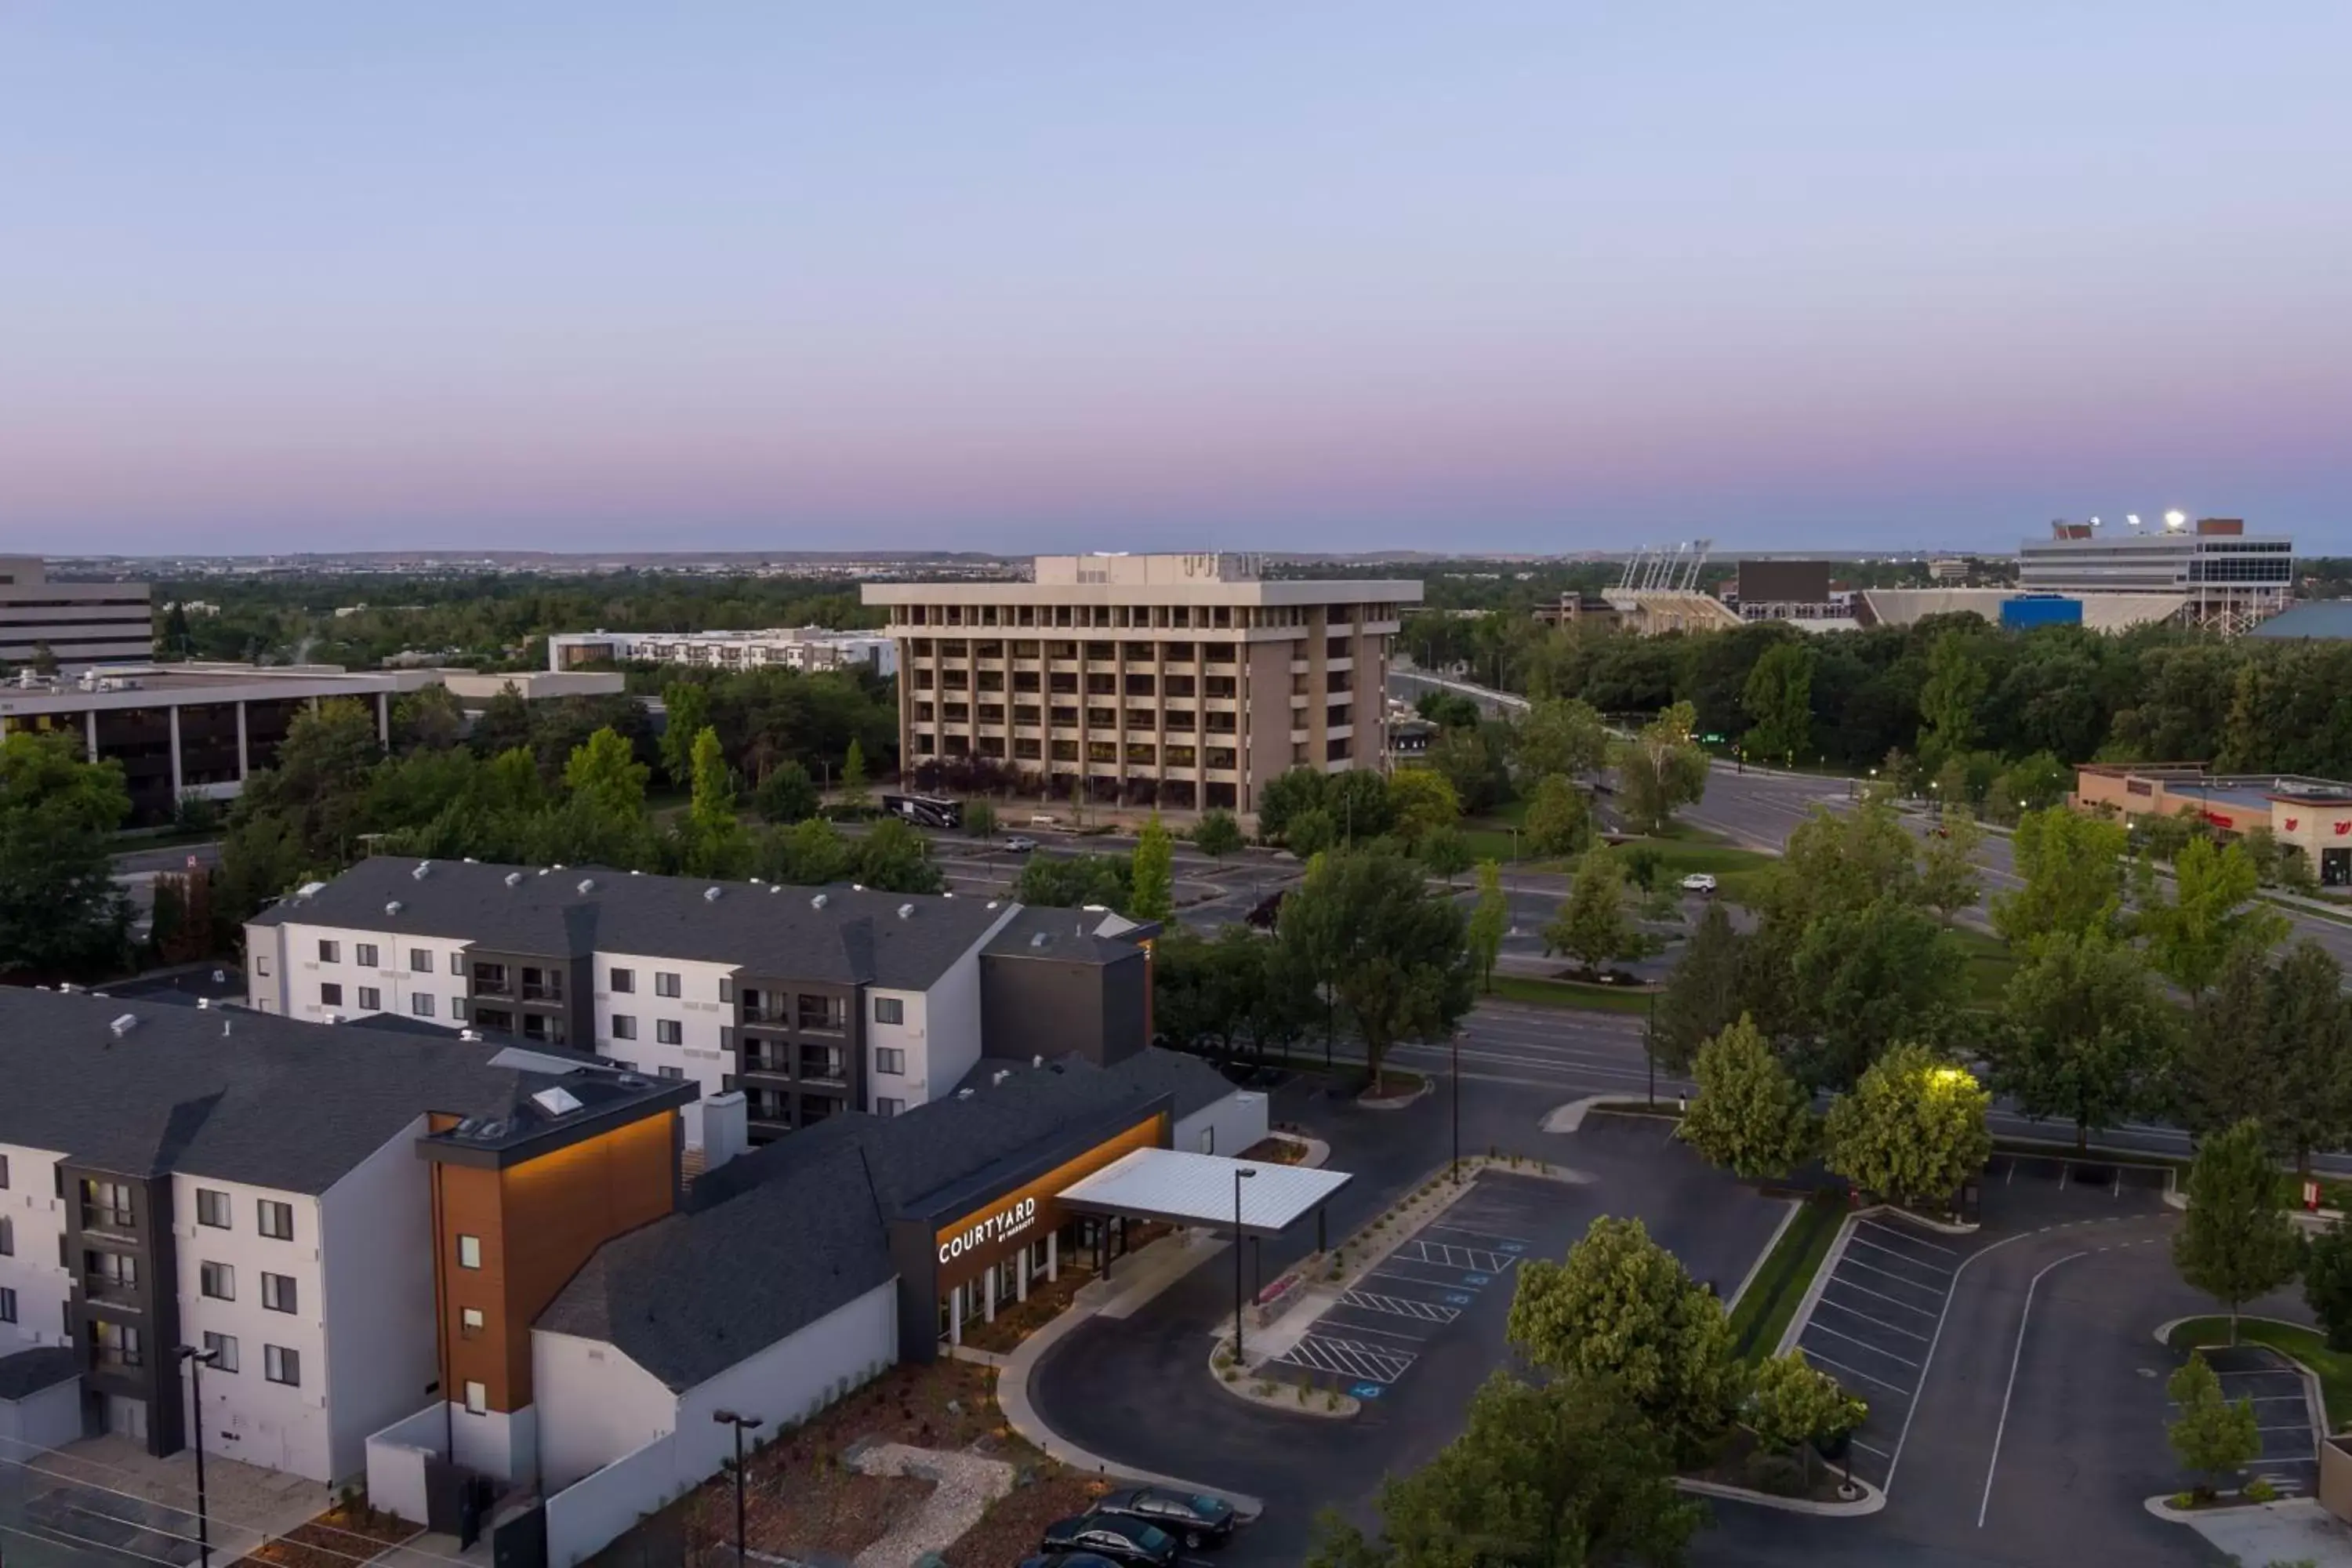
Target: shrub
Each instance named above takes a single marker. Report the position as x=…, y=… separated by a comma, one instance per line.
x=2260, y=1490
x=1782, y=1475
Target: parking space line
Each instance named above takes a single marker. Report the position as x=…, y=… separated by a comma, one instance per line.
x=1879, y=1296
x=1865, y=1344
x=1868, y=1450
x=1914, y=1262
x=1820, y=1360
x=1336, y=1321
x=1468, y=1230
x=1400, y=1306
x=1906, y=1236
x=1451, y=1279
x=1850, y=1261
x=1875, y=1322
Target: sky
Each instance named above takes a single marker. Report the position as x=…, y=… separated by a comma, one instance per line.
x=1026, y=276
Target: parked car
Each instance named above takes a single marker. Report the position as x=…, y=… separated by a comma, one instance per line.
x=1019, y=844
x=1068, y=1559
x=1698, y=882
x=1191, y=1518
x=1121, y=1540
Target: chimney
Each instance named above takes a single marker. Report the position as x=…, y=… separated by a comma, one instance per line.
x=725, y=1127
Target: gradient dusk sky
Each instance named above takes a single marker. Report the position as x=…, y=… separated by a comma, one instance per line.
x=1354, y=275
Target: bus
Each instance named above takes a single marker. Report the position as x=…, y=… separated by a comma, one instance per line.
x=925, y=810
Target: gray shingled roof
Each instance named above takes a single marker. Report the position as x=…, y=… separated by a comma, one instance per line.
x=692, y=1294
x=1094, y=936
x=244, y=1097
x=853, y=938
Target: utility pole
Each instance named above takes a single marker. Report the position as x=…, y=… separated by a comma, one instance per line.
x=741, y=1424
x=1650, y=1044
x=1457, y=1108
x=197, y=1361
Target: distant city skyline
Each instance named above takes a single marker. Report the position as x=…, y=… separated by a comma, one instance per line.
x=1520, y=278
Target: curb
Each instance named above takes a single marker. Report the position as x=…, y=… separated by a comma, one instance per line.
x=2161, y=1506
x=1570, y=1117
x=2315, y=1398
x=1871, y=1501
x=1819, y=1282
x=1399, y=1102
x=1349, y=1408
x=1795, y=1206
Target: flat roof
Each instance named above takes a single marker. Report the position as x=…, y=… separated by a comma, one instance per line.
x=1276, y=591
x=1185, y=1188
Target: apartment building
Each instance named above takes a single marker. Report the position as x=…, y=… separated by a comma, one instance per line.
x=73, y=624
x=251, y=1187
x=812, y=1000
x=1183, y=681
x=779, y=648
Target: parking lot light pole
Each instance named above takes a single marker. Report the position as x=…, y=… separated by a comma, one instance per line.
x=1240, y=1174
x=1457, y=1108
x=197, y=1361
x=1650, y=1046
x=741, y=1424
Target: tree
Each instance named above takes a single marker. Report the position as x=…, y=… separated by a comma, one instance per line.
x=1446, y=853
x=786, y=795
x=1216, y=834
x=1912, y=1129
x=1152, y=894
x=1282, y=797
x=715, y=842
x=2237, y=1242
x=1749, y=1116
x=895, y=859
x=2211, y=1435
x=687, y=707
x=2212, y=910
x=1563, y=736
x=1621, y=1306
x=2073, y=866
x=605, y=774
x=1865, y=979
x=1779, y=697
x=1421, y=802
x=60, y=913
x=2308, y=1041
x=1661, y=770
x=1489, y=923
x=980, y=819
x=1476, y=761
x=2223, y=1072
x=1593, y=925
x=1948, y=701
x=1558, y=821
x=809, y=854
x=853, y=777
x=1794, y=1405
x=1394, y=954
x=1073, y=881
x=428, y=718
x=2085, y=1033
x=1358, y=803
x=1310, y=832
x=1948, y=882
x=2328, y=1283
x=1701, y=996
x=1553, y=1476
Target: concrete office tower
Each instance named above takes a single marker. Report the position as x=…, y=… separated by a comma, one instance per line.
x=1181, y=681
x=76, y=623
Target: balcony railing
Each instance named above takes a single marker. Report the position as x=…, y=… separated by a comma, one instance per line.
x=116, y=1292
x=549, y=991
x=97, y=1217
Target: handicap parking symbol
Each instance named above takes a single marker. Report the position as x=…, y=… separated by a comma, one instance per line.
x=1366, y=1391
x=1457, y=1297
x=1477, y=1279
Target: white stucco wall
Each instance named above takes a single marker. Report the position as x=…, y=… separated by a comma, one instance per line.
x=395, y=1461
x=700, y=1015
x=264, y=968
x=376, y=1263
x=792, y=1378
x=37, y=1217
x=496, y=1442
x=1226, y=1126
x=941, y=1031
x=301, y=972
x=246, y=1415
x=46, y=1418
x=596, y=1406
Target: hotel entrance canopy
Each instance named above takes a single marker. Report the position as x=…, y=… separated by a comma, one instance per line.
x=1198, y=1190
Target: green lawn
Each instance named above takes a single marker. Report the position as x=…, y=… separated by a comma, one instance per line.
x=1762, y=1315
x=2307, y=1345
x=1990, y=966
x=1682, y=852
x=1569, y=994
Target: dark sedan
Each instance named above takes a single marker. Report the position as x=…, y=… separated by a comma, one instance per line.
x=1191, y=1518
x=1126, y=1540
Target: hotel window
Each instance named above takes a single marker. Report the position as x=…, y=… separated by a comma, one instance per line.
x=8, y=1305
x=667, y=1071
x=218, y=1280
x=4, y=1172
x=331, y=953
x=669, y=1031
x=624, y=980
x=477, y=1399
x=470, y=1252
x=7, y=1237
x=469, y=1321
x=363, y=954
x=277, y=1294
x=890, y=1060
x=280, y=1364
x=420, y=961
x=456, y=963
x=221, y=1348
x=330, y=996
x=625, y=1027
x=889, y=1010
x=261, y=965
x=277, y=1219
x=211, y=1208
x=421, y=1006
x=888, y=1106
x=370, y=998
x=665, y=983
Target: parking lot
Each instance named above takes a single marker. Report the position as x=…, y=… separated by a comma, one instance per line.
x=1874, y=1324
x=1372, y=1336
x=2283, y=1414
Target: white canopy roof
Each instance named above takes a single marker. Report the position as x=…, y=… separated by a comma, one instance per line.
x=1198, y=1189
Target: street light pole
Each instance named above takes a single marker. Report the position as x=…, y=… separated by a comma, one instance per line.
x=1650, y=1046
x=1241, y=1174
x=1457, y=1108
x=741, y=1424
x=197, y=1361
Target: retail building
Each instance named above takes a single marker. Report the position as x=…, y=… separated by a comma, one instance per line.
x=2311, y=816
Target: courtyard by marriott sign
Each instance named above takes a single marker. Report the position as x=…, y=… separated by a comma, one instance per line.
x=1027, y=1213
x=1005, y=1224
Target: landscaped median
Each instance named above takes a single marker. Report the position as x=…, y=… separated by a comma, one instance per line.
x=2305, y=1347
